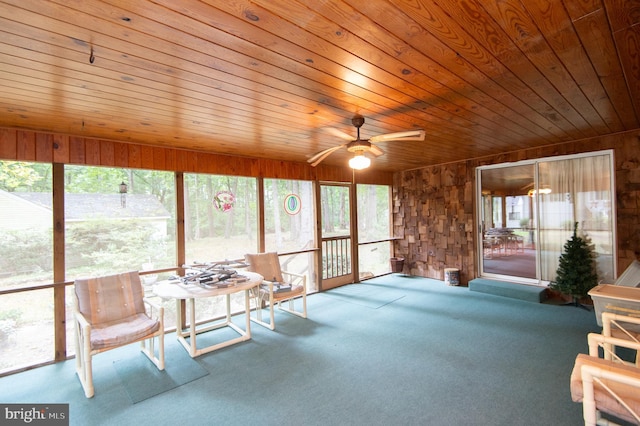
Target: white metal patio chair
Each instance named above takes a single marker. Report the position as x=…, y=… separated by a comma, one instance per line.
x=609, y=386
x=622, y=326
x=279, y=286
x=111, y=312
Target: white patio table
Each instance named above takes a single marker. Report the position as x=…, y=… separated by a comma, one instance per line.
x=176, y=289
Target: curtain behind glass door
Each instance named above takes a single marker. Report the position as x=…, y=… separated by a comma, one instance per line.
x=570, y=191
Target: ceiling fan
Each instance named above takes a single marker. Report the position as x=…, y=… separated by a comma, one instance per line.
x=361, y=146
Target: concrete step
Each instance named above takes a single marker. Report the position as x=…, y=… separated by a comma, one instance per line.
x=513, y=290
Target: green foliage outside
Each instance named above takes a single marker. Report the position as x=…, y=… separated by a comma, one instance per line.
x=373, y=212
x=576, y=273
x=203, y=220
x=16, y=176
x=114, y=245
x=10, y=315
x=25, y=251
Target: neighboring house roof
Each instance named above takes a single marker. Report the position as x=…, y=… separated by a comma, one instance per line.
x=18, y=213
x=80, y=207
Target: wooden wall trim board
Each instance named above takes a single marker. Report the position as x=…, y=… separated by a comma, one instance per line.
x=59, y=291
x=434, y=207
x=25, y=145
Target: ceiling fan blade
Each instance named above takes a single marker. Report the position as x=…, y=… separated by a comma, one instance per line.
x=411, y=135
x=375, y=150
x=338, y=133
x=317, y=158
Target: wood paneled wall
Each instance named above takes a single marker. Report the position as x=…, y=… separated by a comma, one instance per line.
x=23, y=145
x=434, y=207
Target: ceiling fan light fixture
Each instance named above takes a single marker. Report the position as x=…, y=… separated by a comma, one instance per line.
x=359, y=162
x=544, y=191
x=359, y=146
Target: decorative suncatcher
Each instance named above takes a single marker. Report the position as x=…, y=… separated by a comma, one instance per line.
x=224, y=201
x=292, y=204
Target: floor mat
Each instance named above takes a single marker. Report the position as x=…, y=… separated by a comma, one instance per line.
x=142, y=379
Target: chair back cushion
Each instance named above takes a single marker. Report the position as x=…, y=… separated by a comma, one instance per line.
x=265, y=264
x=110, y=298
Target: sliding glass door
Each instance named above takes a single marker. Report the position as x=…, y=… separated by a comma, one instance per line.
x=527, y=211
x=576, y=190
x=508, y=221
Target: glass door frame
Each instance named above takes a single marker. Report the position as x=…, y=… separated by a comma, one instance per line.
x=481, y=220
x=536, y=212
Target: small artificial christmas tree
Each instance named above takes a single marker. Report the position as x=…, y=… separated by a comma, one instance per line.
x=576, y=273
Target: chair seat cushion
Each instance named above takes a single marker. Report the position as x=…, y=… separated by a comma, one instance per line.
x=122, y=332
x=604, y=401
x=295, y=291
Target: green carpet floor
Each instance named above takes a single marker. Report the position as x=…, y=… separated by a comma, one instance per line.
x=423, y=353
x=369, y=295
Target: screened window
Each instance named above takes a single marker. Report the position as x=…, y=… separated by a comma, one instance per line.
x=26, y=223
x=289, y=225
x=220, y=224
x=374, y=230
x=118, y=220
x=26, y=258
x=220, y=217
x=288, y=211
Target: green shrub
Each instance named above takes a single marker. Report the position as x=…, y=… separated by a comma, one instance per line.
x=26, y=251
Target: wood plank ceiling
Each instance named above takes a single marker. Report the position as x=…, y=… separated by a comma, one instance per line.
x=271, y=78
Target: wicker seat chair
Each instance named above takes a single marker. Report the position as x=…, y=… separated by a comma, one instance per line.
x=111, y=311
x=279, y=286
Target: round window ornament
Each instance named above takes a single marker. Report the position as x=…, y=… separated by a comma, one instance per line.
x=292, y=204
x=224, y=201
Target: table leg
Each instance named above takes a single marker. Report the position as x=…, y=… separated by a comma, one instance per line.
x=192, y=332
x=247, y=314
x=180, y=326
x=192, y=325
